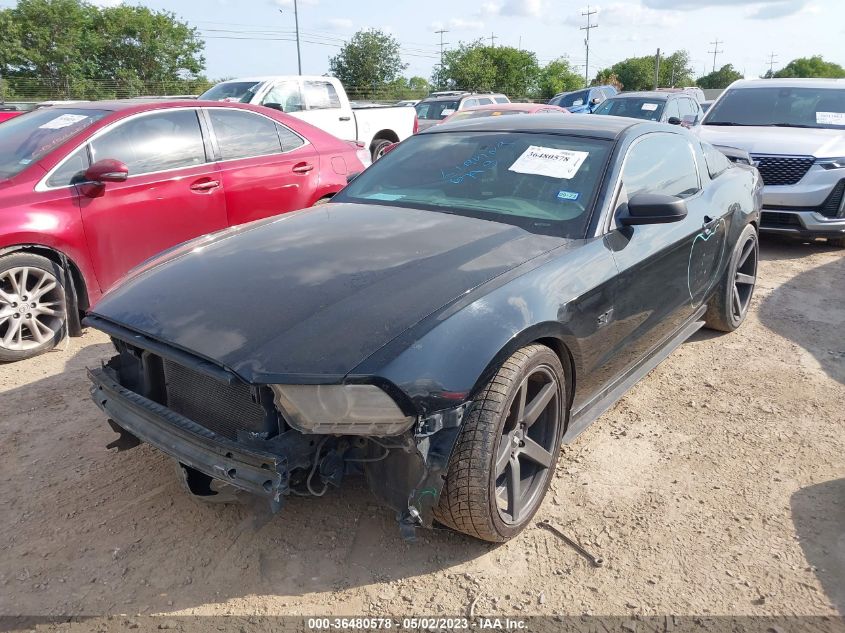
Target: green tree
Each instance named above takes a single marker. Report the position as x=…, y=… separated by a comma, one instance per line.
x=71, y=48
x=808, y=67
x=607, y=77
x=721, y=78
x=557, y=76
x=637, y=73
x=368, y=63
x=475, y=66
x=402, y=88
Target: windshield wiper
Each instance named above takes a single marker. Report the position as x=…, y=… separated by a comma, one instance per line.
x=726, y=123
x=789, y=125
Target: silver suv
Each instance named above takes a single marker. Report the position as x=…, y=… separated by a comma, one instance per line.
x=794, y=130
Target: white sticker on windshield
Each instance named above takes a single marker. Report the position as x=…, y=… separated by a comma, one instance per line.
x=64, y=120
x=446, y=112
x=547, y=161
x=649, y=107
x=830, y=118
x=388, y=197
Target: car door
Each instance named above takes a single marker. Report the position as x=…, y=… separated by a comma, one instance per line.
x=672, y=111
x=173, y=192
x=662, y=267
x=266, y=168
x=323, y=109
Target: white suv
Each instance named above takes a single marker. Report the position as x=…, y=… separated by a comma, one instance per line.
x=794, y=130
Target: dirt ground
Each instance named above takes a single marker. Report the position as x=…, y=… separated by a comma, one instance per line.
x=716, y=486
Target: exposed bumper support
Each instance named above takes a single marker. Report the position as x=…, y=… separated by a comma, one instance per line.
x=253, y=470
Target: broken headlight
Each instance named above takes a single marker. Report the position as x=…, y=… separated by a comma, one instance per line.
x=341, y=409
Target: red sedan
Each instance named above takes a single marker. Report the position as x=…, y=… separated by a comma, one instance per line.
x=502, y=109
x=90, y=190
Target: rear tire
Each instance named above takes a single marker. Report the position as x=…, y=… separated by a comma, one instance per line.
x=32, y=306
x=378, y=148
x=729, y=306
x=505, y=455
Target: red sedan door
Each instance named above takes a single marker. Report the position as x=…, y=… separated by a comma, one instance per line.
x=266, y=168
x=173, y=193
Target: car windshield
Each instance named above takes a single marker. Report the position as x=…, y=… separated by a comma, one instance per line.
x=786, y=107
x=29, y=137
x=573, y=99
x=480, y=114
x=542, y=182
x=435, y=110
x=634, y=107
x=231, y=91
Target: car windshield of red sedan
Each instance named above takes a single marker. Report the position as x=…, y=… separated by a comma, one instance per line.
x=541, y=182
x=30, y=137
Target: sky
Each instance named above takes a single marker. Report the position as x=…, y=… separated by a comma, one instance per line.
x=254, y=37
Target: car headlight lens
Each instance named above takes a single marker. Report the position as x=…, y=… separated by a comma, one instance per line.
x=341, y=409
x=831, y=163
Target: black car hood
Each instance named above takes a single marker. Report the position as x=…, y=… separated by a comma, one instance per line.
x=308, y=296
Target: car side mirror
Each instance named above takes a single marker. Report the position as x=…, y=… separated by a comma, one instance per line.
x=274, y=106
x=107, y=170
x=594, y=101
x=689, y=120
x=673, y=120
x=653, y=208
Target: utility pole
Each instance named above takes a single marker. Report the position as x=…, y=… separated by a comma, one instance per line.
x=442, y=45
x=588, y=28
x=493, y=39
x=715, y=51
x=772, y=58
x=657, y=70
x=296, y=22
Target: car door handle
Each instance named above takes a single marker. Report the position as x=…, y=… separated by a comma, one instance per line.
x=344, y=118
x=205, y=185
x=302, y=168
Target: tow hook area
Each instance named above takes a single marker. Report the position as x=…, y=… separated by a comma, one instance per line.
x=125, y=439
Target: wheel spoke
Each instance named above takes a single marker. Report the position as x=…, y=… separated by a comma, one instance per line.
x=12, y=332
x=16, y=283
x=520, y=401
x=746, y=251
x=505, y=449
x=40, y=332
x=747, y=280
x=536, y=453
x=45, y=285
x=538, y=404
x=6, y=298
x=737, y=302
x=514, y=489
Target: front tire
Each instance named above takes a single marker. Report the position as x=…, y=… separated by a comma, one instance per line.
x=505, y=455
x=32, y=306
x=729, y=305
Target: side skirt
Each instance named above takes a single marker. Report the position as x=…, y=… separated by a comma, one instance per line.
x=590, y=412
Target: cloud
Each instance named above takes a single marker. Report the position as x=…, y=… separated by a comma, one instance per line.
x=458, y=24
x=623, y=14
x=338, y=24
x=107, y=3
x=763, y=9
x=523, y=8
x=288, y=4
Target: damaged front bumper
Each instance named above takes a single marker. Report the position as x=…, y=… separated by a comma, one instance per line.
x=408, y=478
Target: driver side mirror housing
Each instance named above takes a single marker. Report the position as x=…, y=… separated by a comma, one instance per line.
x=653, y=208
x=107, y=170
x=673, y=120
x=595, y=101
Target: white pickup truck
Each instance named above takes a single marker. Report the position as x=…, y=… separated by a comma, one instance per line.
x=322, y=102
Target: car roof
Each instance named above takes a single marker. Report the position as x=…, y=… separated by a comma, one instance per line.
x=788, y=83
x=143, y=105
x=462, y=95
x=260, y=78
x=507, y=106
x=649, y=94
x=607, y=127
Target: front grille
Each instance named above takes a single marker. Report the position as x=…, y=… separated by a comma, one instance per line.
x=774, y=219
x=782, y=170
x=218, y=406
x=831, y=206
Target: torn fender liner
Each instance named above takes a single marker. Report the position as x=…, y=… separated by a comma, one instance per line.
x=254, y=470
x=410, y=481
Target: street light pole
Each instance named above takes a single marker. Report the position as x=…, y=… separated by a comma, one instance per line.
x=296, y=22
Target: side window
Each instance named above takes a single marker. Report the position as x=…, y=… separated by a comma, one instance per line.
x=661, y=163
x=502, y=100
x=717, y=162
x=243, y=134
x=290, y=140
x=469, y=103
x=286, y=94
x=672, y=109
x=320, y=95
x=70, y=172
x=485, y=101
x=154, y=142
x=597, y=94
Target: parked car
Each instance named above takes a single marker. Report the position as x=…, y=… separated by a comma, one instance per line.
x=91, y=190
x=583, y=101
x=481, y=294
x=322, y=102
x=408, y=102
x=693, y=91
x=439, y=105
x=503, y=109
x=9, y=109
x=705, y=105
x=675, y=108
x=794, y=130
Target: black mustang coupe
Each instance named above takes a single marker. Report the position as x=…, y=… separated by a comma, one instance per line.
x=466, y=304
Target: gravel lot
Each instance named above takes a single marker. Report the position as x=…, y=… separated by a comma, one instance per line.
x=716, y=486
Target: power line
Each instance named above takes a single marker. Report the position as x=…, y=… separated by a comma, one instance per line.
x=493, y=39
x=772, y=58
x=588, y=28
x=715, y=51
